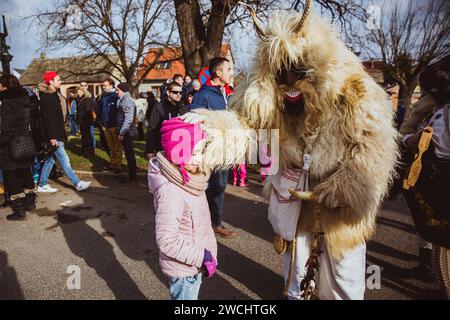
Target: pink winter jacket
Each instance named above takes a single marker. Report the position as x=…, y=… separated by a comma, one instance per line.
x=183, y=225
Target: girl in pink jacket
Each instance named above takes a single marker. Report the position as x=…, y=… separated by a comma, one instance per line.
x=184, y=235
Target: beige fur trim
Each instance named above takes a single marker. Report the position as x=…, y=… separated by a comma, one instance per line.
x=43, y=87
x=227, y=140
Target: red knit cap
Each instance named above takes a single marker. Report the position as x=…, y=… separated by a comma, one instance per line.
x=49, y=76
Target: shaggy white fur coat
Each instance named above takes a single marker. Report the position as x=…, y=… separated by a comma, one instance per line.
x=347, y=124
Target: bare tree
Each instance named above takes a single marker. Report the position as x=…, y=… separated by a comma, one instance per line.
x=410, y=36
x=203, y=23
x=103, y=28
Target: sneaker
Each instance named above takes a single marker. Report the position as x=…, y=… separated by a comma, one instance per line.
x=46, y=189
x=83, y=185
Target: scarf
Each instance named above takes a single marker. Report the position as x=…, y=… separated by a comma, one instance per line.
x=197, y=182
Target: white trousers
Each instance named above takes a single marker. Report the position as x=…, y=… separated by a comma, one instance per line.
x=338, y=280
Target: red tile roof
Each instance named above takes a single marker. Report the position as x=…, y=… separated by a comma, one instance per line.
x=172, y=54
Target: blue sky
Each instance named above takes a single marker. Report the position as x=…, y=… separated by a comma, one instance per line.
x=25, y=41
x=24, y=38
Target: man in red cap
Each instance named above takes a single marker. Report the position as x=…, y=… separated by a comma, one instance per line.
x=53, y=122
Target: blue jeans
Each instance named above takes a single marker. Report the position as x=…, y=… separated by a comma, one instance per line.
x=73, y=125
x=215, y=194
x=91, y=131
x=64, y=161
x=185, y=288
x=35, y=170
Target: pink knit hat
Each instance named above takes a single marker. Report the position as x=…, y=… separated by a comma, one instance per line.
x=178, y=140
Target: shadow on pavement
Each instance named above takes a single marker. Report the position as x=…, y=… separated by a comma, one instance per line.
x=131, y=224
x=262, y=281
x=391, y=279
x=381, y=248
x=98, y=254
x=396, y=224
x=9, y=285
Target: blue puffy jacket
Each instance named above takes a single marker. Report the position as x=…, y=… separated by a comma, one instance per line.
x=109, y=109
x=209, y=97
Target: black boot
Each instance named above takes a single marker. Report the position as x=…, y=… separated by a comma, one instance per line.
x=19, y=213
x=30, y=201
x=6, y=203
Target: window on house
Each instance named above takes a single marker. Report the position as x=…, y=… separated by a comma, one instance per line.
x=163, y=65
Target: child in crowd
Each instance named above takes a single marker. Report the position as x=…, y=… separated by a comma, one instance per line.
x=184, y=235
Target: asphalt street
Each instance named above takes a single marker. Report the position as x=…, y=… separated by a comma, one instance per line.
x=106, y=236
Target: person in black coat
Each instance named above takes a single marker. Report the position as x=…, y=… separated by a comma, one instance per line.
x=98, y=123
x=187, y=87
x=170, y=107
x=85, y=120
x=15, y=120
x=151, y=100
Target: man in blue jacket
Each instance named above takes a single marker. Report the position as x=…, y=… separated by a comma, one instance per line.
x=214, y=95
x=108, y=118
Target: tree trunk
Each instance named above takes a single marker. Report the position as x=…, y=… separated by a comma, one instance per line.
x=215, y=29
x=192, y=34
x=406, y=90
x=200, y=43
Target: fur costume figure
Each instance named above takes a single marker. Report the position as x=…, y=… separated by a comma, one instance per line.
x=307, y=84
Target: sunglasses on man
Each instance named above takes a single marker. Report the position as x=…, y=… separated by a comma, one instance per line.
x=176, y=92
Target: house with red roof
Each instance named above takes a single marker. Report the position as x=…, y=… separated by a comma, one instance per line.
x=173, y=64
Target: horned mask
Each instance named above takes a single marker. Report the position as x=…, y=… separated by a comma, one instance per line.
x=300, y=69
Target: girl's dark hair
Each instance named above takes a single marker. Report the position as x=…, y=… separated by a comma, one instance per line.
x=9, y=81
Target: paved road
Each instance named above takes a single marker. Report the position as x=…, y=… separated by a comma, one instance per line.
x=108, y=232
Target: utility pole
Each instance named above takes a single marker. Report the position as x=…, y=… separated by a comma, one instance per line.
x=4, y=54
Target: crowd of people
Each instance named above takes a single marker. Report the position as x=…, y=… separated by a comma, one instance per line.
x=38, y=126
x=118, y=118
x=33, y=136
x=424, y=172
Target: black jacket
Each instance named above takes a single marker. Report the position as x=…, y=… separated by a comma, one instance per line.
x=163, y=110
x=85, y=107
x=14, y=120
x=151, y=104
x=52, y=113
